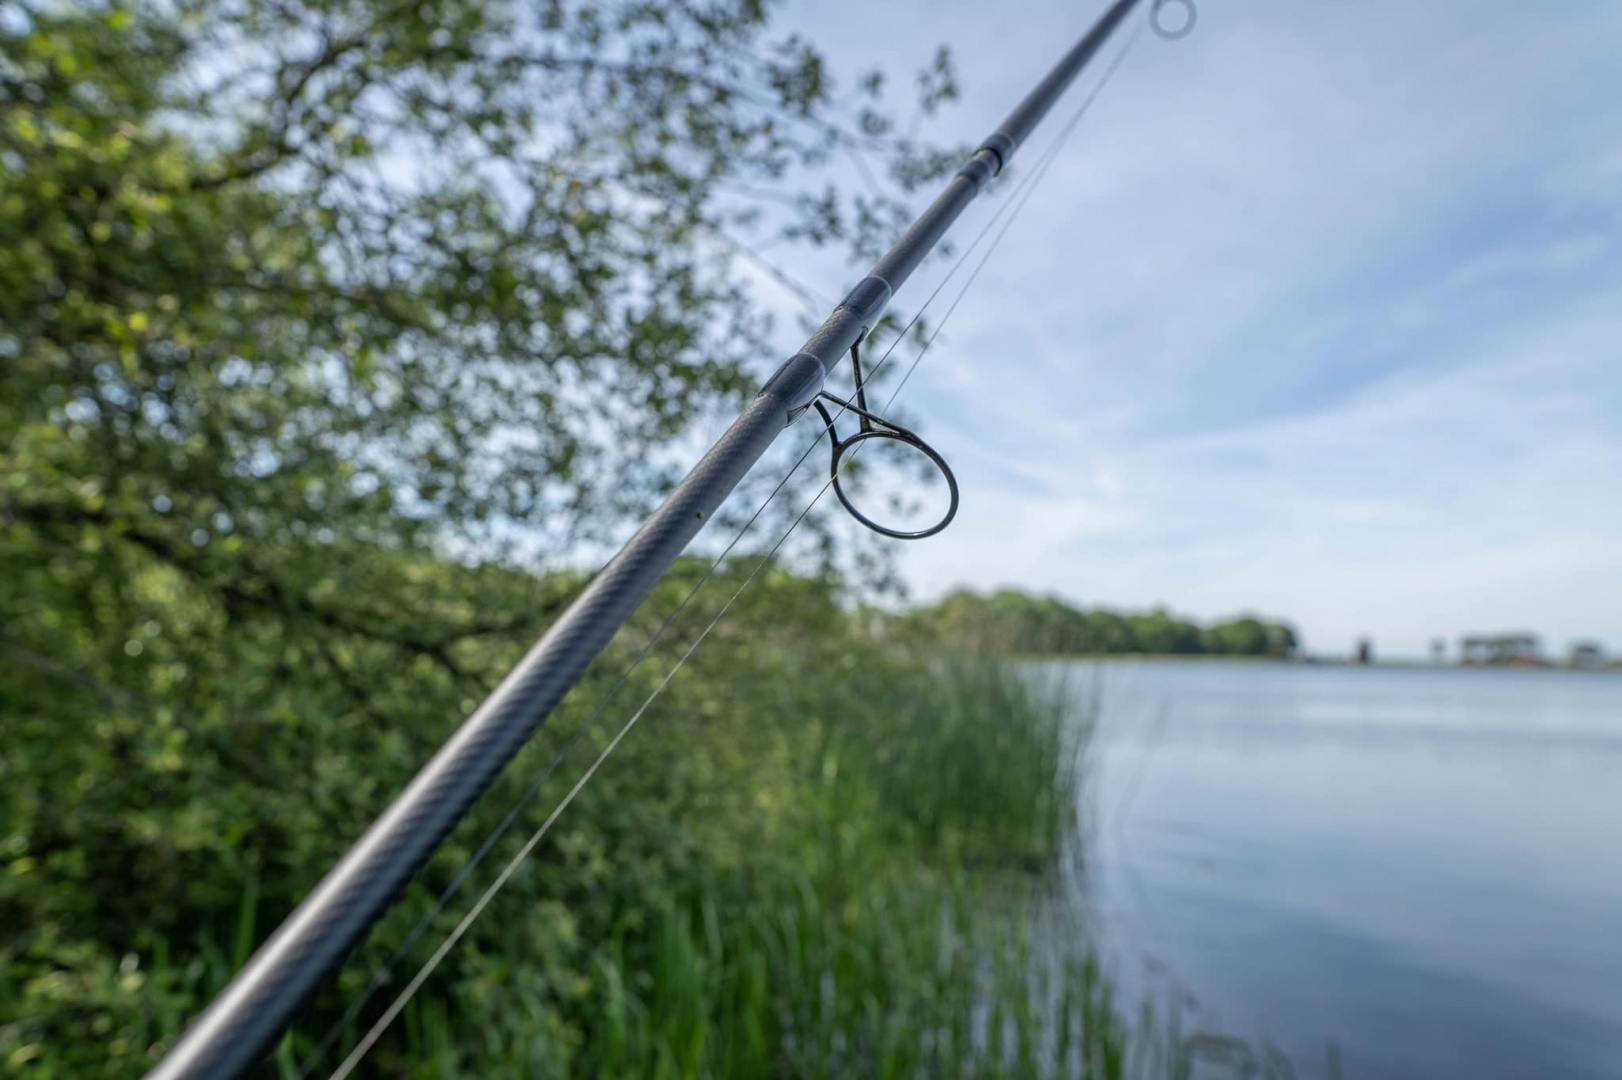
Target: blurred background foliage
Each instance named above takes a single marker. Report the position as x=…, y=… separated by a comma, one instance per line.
x=1011, y=623
x=318, y=321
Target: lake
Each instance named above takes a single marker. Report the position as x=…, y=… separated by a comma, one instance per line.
x=1416, y=869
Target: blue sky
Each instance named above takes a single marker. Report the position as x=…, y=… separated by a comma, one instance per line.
x=1319, y=314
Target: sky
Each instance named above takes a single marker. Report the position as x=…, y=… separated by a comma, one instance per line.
x=1318, y=314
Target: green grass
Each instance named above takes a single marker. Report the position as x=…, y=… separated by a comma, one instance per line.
x=909, y=979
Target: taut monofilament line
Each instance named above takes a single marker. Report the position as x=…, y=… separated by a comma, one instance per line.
x=248, y=1016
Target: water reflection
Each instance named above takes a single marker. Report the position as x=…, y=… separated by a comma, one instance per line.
x=1422, y=867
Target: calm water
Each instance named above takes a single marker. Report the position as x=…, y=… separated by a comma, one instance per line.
x=1421, y=866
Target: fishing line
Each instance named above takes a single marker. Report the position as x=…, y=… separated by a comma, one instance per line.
x=1022, y=195
x=383, y=973
x=1010, y=209
x=1007, y=212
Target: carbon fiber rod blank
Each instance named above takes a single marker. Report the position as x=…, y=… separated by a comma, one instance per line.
x=239, y=1027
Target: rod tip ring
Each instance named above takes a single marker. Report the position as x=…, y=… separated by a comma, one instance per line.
x=1173, y=33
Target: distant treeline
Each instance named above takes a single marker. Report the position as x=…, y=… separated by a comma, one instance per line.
x=1013, y=622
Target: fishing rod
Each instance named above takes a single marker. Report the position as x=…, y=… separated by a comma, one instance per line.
x=242, y=1023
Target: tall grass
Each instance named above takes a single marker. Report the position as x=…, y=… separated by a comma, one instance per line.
x=910, y=979
x=886, y=937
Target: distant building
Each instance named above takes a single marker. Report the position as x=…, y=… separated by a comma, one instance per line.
x=1438, y=651
x=1365, y=650
x=1587, y=654
x=1500, y=649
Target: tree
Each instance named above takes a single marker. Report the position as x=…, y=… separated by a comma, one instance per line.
x=1012, y=622
x=298, y=300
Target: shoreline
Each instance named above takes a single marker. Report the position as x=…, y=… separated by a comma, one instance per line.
x=1319, y=661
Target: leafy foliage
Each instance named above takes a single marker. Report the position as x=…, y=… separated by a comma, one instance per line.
x=282, y=273
x=790, y=774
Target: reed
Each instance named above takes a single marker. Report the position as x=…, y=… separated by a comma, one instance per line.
x=888, y=933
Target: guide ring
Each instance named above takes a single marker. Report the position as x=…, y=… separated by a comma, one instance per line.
x=1178, y=33
x=874, y=427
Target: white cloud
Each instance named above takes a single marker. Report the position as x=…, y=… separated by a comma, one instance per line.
x=1313, y=316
